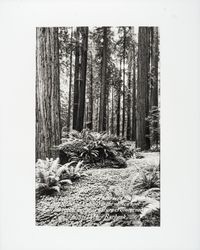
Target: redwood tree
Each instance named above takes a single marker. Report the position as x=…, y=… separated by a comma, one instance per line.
x=124, y=84
x=142, y=106
x=80, y=77
x=154, y=85
x=90, y=111
x=119, y=101
x=134, y=93
x=48, y=129
x=104, y=87
x=70, y=84
x=130, y=60
x=76, y=78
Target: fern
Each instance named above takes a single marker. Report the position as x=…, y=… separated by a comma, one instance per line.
x=64, y=169
x=50, y=178
x=54, y=166
x=90, y=154
x=150, y=204
x=146, y=181
x=70, y=171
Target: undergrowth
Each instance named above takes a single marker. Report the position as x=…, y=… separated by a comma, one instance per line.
x=51, y=177
x=93, y=148
x=139, y=204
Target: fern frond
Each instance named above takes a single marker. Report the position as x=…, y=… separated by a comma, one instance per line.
x=41, y=164
x=66, y=181
x=151, y=190
x=78, y=166
x=150, y=204
x=151, y=207
x=54, y=165
x=42, y=176
x=51, y=181
x=64, y=168
x=55, y=188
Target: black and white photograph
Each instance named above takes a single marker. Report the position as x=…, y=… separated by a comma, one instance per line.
x=97, y=131
x=99, y=125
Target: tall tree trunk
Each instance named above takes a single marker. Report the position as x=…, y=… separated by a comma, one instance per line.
x=134, y=96
x=142, y=128
x=70, y=85
x=82, y=82
x=154, y=79
x=80, y=77
x=129, y=91
x=90, y=111
x=97, y=114
x=103, y=94
x=124, y=94
x=112, y=111
x=76, y=78
x=119, y=102
x=48, y=128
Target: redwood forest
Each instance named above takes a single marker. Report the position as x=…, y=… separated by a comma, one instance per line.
x=97, y=126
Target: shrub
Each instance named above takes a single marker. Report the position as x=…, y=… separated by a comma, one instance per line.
x=91, y=147
x=120, y=162
x=70, y=150
x=90, y=154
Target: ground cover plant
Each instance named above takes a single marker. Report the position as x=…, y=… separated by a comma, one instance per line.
x=89, y=191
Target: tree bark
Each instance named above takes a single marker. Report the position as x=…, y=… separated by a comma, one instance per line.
x=154, y=78
x=154, y=67
x=134, y=96
x=103, y=94
x=80, y=77
x=128, y=133
x=119, y=101
x=70, y=85
x=48, y=128
x=142, y=128
x=112, y=111
x=76, y=78
x=124, y=94
x=90, y=111
x=82, y=82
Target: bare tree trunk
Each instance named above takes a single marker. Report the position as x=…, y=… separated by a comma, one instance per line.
x=119, y=102
x=70, y=86
x=124, y=95
x=82, y=82
x=154, y=79
x=129, y=91
x=134, y=96
x=103, y=94
x=142, y=129
x=112, y=111
x=80, y=77
x=76, y=78
x=90, y=111
x=48, y=128
x=154, y=67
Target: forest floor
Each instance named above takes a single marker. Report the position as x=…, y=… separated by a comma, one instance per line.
x=85, y=202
